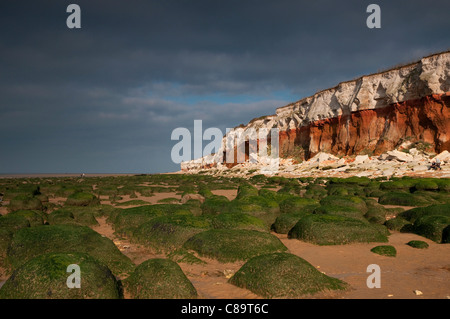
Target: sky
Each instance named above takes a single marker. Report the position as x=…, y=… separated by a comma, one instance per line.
x=106, y=97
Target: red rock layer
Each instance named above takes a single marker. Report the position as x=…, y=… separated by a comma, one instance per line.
x=374, y=131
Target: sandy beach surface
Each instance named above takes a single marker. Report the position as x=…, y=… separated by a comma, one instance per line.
x=412, y=274
x=424, y=270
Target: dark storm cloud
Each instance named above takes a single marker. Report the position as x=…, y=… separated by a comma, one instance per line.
x=105, y=98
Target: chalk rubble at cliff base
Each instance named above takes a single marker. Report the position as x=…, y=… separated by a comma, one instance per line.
x=392, y=163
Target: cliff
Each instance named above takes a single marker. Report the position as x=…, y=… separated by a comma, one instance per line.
x=369, y=115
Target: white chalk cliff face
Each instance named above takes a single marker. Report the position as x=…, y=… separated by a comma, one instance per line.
x=429, y=76
x=371, y=114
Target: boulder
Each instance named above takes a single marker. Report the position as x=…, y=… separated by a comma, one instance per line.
x=444, y=156
x=283, y=275
x=388, y=172
x=46, y=276
x=290, y=168
x=360, y=159
x=30, y=242
x=229, y=245
x=364, y=173
x=188, y=197
x=321, y=157
x=342, y=168
x=414, y=151
x=399, y=156
x=159, y=279
x=420, y=168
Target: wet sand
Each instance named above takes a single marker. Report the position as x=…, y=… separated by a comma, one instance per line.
x=228, y=193
x=427, y=270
